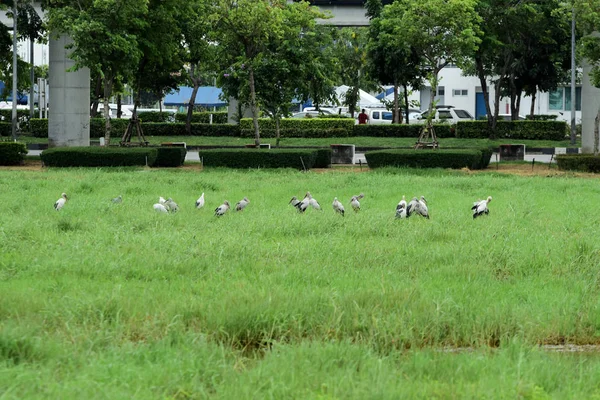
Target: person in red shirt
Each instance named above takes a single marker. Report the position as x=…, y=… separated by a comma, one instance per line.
x=363, y=117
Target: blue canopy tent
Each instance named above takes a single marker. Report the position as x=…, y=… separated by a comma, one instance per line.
x=207, y=96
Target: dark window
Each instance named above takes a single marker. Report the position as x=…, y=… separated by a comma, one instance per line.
x=375, y=114
x=462, y=114
x=445, y=114
x=387, y=115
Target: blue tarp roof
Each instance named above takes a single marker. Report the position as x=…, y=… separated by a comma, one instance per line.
x=21, y=97
x=385, y=93
x=207, y=96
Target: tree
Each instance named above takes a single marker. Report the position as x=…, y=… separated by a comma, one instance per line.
x=440, y=31
x=105, y=36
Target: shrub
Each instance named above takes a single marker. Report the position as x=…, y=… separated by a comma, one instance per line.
x=178, y=129
x=259, y=158
x=402, y=130
x=519, y=130
x=12, y=153
x=578, y=162
x=323, y=158
x=542, y=117
x=156, y=116
x=219, y=117
x=98, y=156
x=307, y=127
x=5, y=129
x=39, y=127
x=170, y=156
x=470, y=158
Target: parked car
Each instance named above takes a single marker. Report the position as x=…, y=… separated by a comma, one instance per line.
x=310, y=114
x=447, y=114
x=507, y=117
x=378, y=116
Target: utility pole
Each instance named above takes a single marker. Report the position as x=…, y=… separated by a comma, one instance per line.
x=573, y=67
x=14, y=88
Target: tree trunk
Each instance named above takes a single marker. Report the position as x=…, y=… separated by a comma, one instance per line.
x=97, y=96
x=32, y=77
x=596, y=132
x=396, y=109
x=277, y=130
x=254, y=106
x=533, y=97
x=486, y=95
x=195, y=80
x=406, y=102
x=107, y=92
x=119, y=112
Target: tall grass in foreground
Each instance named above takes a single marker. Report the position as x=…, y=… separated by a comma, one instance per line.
x=103, y=292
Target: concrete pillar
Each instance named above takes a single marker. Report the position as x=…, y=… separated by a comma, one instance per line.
x=590, y=104
x=69, y=114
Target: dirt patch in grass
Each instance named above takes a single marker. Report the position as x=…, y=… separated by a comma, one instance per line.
x=544, y=170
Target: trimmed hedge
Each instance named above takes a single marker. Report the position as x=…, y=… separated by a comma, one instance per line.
x=178, y=129
x=523, y=130
x=323, y=159
x=5, y=129
x=402, y=130
x=447, y=158
x=98, y=156
x=259, y=158
x=39, y=127
x=219, y=117
x=12, y=153
x=578, y=162
x=305, y=127
x=156, y=116
x=170, y=157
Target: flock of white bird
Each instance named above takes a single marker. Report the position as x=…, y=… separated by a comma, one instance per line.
x=403, y=210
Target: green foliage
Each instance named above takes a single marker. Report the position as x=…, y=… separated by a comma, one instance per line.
x=259, y=158
x=323, y=158
x=98, y=156
x=402, y=130
x=578, y=162
x=472, y=158
x=169, y=156
x=12, y=153
x=219, y=117
x=155, y=116
x=5, y=129
x=542, y=117
x=38, y=127
x=179, y=129
x=532, y=130
x=305, y=127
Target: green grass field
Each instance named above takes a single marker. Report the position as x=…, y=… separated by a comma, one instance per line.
x=363, y=141
x=116, y=301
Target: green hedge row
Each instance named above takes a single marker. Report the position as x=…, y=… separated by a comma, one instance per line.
x=524, y=130
x=471, y=158
x=219, y=117
x=5, y=129
x=259, y=158
x=98, y=156
x=578, y=162
x=402, y=130
x=323, y=158
x=12, y=153
x=308, y=127
x=156, y=116
x=39, y=127
x=170, y=157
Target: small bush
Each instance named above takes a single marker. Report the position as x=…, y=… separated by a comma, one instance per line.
x=12, y=153
x=5, y=129
x=469, y=158
x=307, y=127
x=519, y=130
x=156, y=116
x=178, y=129
x=323, y=158
x=259, y=158
x=402, y=130
x=117, y=127
x=170, y=156
x=98, y=156
x=219, y=117
x=542, y=117
x=578, y=162
x=39, y=127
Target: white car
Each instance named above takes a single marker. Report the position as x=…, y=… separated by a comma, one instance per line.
x=378, y=116
x=450, y=115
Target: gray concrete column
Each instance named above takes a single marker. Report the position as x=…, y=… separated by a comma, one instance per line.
x=590, y=104
x=69, y=94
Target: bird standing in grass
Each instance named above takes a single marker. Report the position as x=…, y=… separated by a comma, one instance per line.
x=313, y=202
x=171, y=205
x=60, y=203
x=412, y=206
x=222, y=209
x=161, y=200
x=242, y=204
x=303, y=205
x=200, y=201
x=401, y=209
x=160, y=208
x=118, y=199
x=294, y=201
x=338, y=207
x=480, y=207
x=422, y=208
x=355, y=203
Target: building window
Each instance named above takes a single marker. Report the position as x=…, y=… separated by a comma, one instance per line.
x=460, y=92
x=441, y=90
x=560, y=99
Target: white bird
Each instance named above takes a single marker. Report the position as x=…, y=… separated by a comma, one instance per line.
x=303, y=205
x=60, y=203
x=161, y=200
x=338, y=207
x=222, y=209
x=118, y=199
x=200, y=201
x=481, y=207
x=412, y=205
x=422, y=208
x=401, y=209
x=294, y=201
x=242, y=204
x=171, y=205
x=313, y=202
x=355, y=203
x=160, y=208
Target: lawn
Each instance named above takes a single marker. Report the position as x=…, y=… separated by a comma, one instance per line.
x=105, y=300
x=325, y=142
